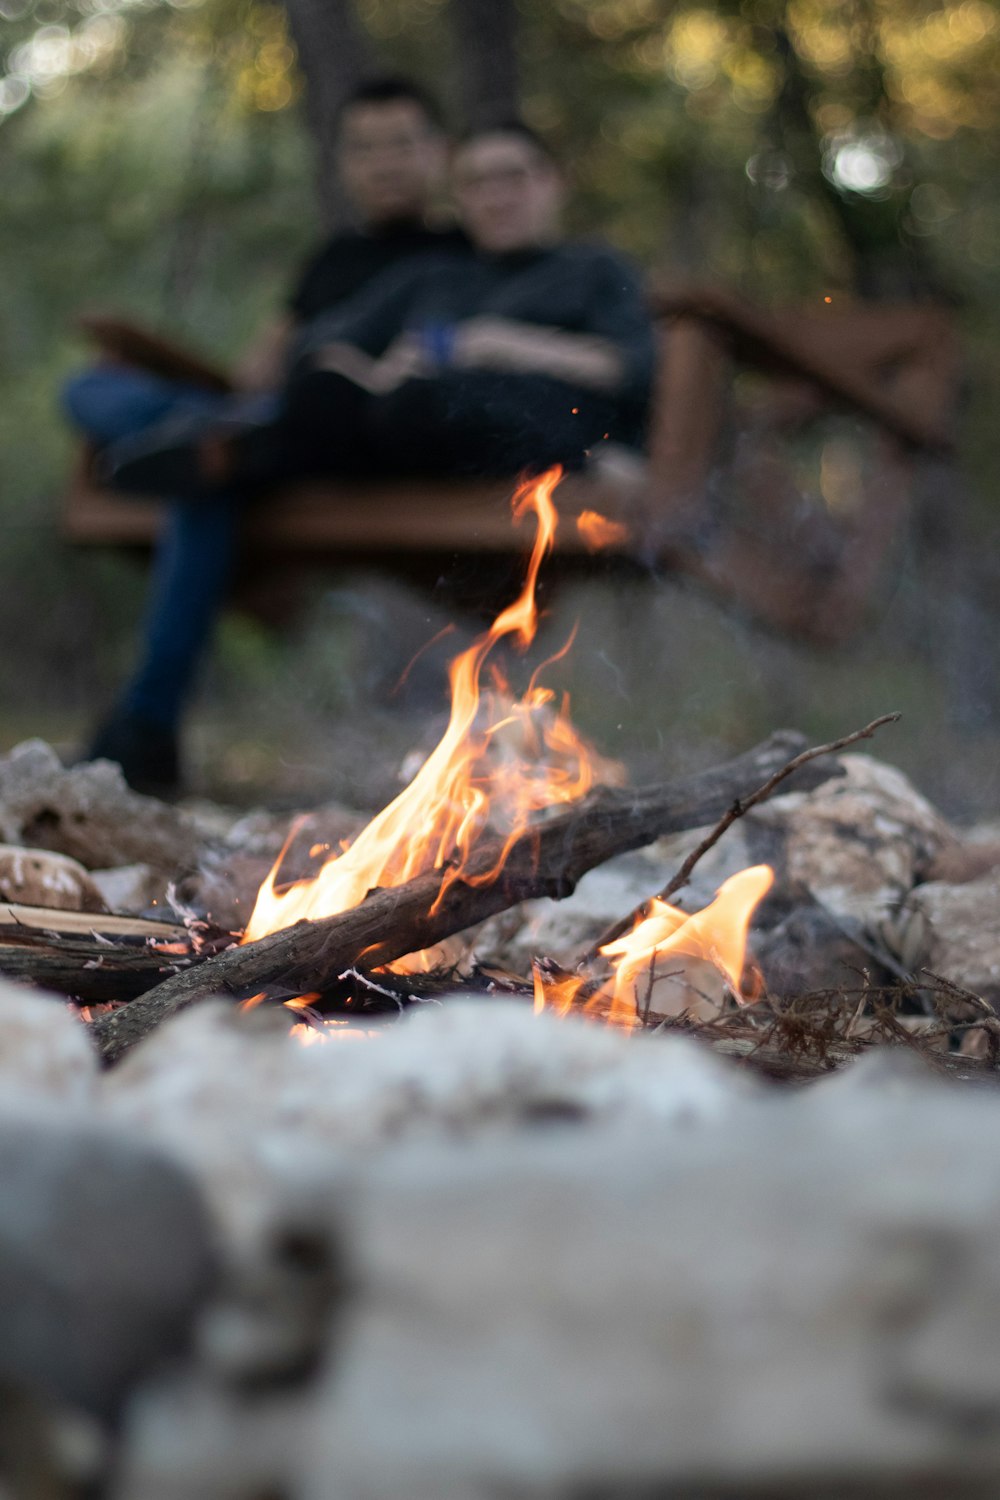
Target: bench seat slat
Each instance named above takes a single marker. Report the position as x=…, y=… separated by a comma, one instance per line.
x=318, y=518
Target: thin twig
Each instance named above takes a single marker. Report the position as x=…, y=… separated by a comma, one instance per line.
x=743, y=804
x=739, y=807
x=961, y=993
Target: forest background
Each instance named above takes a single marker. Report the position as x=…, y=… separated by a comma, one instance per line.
x=159, y=156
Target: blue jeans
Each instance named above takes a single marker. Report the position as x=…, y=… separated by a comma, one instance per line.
x=193, y=562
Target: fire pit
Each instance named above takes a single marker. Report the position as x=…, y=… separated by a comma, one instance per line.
x=442, y=1153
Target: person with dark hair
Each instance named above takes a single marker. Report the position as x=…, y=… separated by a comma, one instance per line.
x=518, y=353
x=529, y=351
x=392, y=153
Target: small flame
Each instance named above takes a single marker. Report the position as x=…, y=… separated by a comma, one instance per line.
x=598, y=531
x=296, y=1003
x=330, y=1029
x=555, y=993
x=715, y=936
x=526, y=757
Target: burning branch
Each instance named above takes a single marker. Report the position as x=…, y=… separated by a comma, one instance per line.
x=546, y=859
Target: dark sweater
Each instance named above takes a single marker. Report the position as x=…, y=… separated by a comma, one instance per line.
x=349, y=261
x=577, y=288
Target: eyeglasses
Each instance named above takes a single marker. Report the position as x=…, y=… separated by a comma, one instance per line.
x=400, y=145
x=493, y=177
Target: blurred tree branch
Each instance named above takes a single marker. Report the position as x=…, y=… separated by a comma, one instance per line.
x=485, y=36
x=335, y=52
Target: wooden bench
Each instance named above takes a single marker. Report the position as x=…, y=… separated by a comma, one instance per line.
x=333, y=521
x=896, y=367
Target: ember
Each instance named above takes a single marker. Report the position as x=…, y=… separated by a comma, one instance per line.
x=598, y=531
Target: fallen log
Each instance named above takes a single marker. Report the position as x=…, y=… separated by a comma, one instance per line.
x=92, y=956
x=547, y=860
x=83, y=971
x=17, y=919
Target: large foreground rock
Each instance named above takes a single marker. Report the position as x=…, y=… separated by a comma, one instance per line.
x=105, y=1257
x=806, y=1297
x=249, y=1111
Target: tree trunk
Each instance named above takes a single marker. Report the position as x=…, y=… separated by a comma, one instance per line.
x=335, y=53
x=485, y=33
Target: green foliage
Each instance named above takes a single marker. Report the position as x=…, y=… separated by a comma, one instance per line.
x=150, y=184
x=160, y=166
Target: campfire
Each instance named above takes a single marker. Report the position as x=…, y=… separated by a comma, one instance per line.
x=511, y=805
x=504, y=762
x=380, y=1270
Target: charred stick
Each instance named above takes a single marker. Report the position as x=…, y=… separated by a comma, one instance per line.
x=89, y=955
x=737, y=809
x=85, y=970
x=547, y=860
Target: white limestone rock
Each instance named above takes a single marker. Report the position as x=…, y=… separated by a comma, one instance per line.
x=89, y=812
x=35, y=877
x=46, y=1059
x=250, y=1110
x=953, y=930
x=860, y=843
x=801, y=1299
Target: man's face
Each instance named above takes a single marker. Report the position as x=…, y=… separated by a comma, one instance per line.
x=509, y=194
x=391, y=160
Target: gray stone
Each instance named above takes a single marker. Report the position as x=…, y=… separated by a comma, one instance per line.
x=36, y=877
x=801, y=1295
x=105, y=1258
x=46, y=1058
x=953, y=930
x=89, y=812
x=132, y=889
x=810, y=950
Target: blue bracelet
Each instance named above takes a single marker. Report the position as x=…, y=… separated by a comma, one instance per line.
x=437, y=342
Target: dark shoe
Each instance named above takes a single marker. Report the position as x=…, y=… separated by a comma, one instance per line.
x=148, y=753
x=191, y=457
x=182, y=456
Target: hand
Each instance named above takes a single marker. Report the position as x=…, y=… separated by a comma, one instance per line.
x=402, y=361
x=496, y=344
x=503, y=344
x=405, y=359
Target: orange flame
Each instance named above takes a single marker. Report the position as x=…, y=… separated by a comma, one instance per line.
x=716, y=935
x=500, y=761
x=555, y=993
x=598, y=531
x=527, y=757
